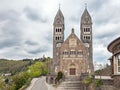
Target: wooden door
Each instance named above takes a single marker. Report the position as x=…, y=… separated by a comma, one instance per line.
x=72, y=71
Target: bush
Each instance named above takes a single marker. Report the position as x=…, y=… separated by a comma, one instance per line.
x=59, y=75
x=98, y=83
x=89, y=79
x=20, y=80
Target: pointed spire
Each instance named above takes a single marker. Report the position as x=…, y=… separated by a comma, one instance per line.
x=86, y=18
x=59, y=16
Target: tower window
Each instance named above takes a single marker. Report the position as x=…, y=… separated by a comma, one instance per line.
x=84, y=37
x=57, y=38
x=87, y=37
x=60, y=29
x=86, y=29
x=56, y=30
x=60, y=38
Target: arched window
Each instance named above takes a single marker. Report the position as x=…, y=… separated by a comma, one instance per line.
x=60, y=29
x=56, y=29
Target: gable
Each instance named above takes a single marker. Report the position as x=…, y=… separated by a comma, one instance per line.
x=73, y=42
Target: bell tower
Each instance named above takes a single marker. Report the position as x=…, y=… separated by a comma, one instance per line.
x=58, y=39
x=86, y=37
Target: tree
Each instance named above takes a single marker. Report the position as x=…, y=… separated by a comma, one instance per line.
x=2, y=83
x=38, y=69
x=20, y=79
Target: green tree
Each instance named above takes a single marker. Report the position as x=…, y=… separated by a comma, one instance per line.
x=38, y=69
x=2, y=83
x=20, y=79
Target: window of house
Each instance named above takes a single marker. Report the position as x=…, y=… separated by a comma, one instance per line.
x=118, y=62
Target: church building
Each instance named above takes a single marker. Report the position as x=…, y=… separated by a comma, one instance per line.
x=73, y=56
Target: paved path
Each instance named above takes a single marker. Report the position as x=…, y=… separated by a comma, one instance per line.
x=40, y=84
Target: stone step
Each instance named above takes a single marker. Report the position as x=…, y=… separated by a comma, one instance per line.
x=69, y=88
x=70, y=85
x=72, y=78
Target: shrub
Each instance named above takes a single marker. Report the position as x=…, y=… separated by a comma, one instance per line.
x=20, y=79
x=98, y=83
x=59, y=75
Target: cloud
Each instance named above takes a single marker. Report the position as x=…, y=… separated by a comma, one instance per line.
x=33, y=15
x=10, y=30
x=26, y=28
x=39, y=50
x=32, y=43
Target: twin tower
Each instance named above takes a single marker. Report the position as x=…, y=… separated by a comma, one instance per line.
x=74, y=55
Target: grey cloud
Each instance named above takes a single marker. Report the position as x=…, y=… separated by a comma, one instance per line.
x=75, y=19
x=28, y=42
x=10, y=32
x=48, y=37
x=106, y=35
x=97, y=5
x=39, y=50
x=9, y=15
x=33, y=15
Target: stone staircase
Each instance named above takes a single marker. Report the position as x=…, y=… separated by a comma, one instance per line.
x=70, y=84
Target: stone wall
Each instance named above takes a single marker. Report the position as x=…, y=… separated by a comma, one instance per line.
x=117, y=81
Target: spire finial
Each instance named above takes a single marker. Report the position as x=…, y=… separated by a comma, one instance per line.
x=85, y=5
x=59, y=5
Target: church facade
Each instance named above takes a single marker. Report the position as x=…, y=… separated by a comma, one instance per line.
x=74, y=55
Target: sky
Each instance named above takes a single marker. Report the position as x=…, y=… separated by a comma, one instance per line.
x=26, y=26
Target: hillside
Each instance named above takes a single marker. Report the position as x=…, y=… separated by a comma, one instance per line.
x=13, y=66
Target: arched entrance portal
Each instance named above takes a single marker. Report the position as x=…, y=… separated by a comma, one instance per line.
x=72, y=69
